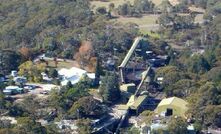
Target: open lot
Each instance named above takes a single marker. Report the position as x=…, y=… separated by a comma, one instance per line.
x=96, y=4
x=62, y=64
x=99, y=3
x=41, y=91
x=146, y=23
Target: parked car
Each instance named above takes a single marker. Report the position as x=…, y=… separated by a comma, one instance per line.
x=44, y=92
x=29, y=87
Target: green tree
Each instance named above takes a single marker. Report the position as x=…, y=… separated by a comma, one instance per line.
x=30, y=106
x=9, y=60
x=53, y=73
x=28, y=125
x=143, y=5
x=101, y=10
x=177, y=126
x=2, y=100
x=32, y=71
x=87, y=107
x=84, y=126
x=198, y=64
x=109, y=88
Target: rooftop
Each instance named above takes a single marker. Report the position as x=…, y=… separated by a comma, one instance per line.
x=174, y=101
x=134, y=103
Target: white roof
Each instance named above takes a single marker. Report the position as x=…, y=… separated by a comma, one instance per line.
x=71, y=72
x=158, y=126
x=91, y=75
x=11, y=87
x=7, y=91
x=190, y=127
x=73, y=75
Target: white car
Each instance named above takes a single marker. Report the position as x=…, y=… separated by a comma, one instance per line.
x=29, y=87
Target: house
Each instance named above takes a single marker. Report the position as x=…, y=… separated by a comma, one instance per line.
x=45, y=77
x=11, y=90
x=14, y=73
x=73, y=75
x=110, y=64
x=127, y=90
x=136, y=104
x=172, y=107
x=20, y=80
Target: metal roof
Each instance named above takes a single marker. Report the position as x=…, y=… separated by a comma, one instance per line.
x=174, y=101
x=130, y=52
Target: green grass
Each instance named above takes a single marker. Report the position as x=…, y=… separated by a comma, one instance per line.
x=96, y=4
x=153, y=35
x=144, y=22
x=61, y=64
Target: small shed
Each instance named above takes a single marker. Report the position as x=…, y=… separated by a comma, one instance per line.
x=131, y=88
x=172, y=107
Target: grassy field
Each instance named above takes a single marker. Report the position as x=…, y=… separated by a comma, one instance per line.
x=147, y=22
x=96, y=4
x=61, y=64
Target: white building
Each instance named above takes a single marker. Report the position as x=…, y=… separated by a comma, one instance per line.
x=73, y=75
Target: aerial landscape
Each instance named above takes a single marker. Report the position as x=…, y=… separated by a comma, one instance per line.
x=110, y=66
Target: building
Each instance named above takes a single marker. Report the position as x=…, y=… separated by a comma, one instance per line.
x=73, y=75
x=136, y=105
x=110, y=64
x=172, y=107
x=20, y=80
x=14, y=73
x=11, y=90
x=127, y=90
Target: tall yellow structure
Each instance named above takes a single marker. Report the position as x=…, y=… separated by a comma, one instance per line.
x=172, y=107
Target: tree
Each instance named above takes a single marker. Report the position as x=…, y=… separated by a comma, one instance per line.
x=198, y=64
x=182, y=88
x=87, y=107
x=109, y=88
x=111, y=7
x=143, y=5
x=84, y=126
x=9, y=60
x=126, y=9
x=26, y=53
x=170, y=74
x=205, y=105
x=63, y=99
x=214, y=75
x=2, y=100
x=28, y=125
x=32, y=71
x=30, y=106
x=177, y=126
x=53, y=73
x=101, y=10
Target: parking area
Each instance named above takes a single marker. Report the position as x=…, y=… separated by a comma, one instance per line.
x=39, y=90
